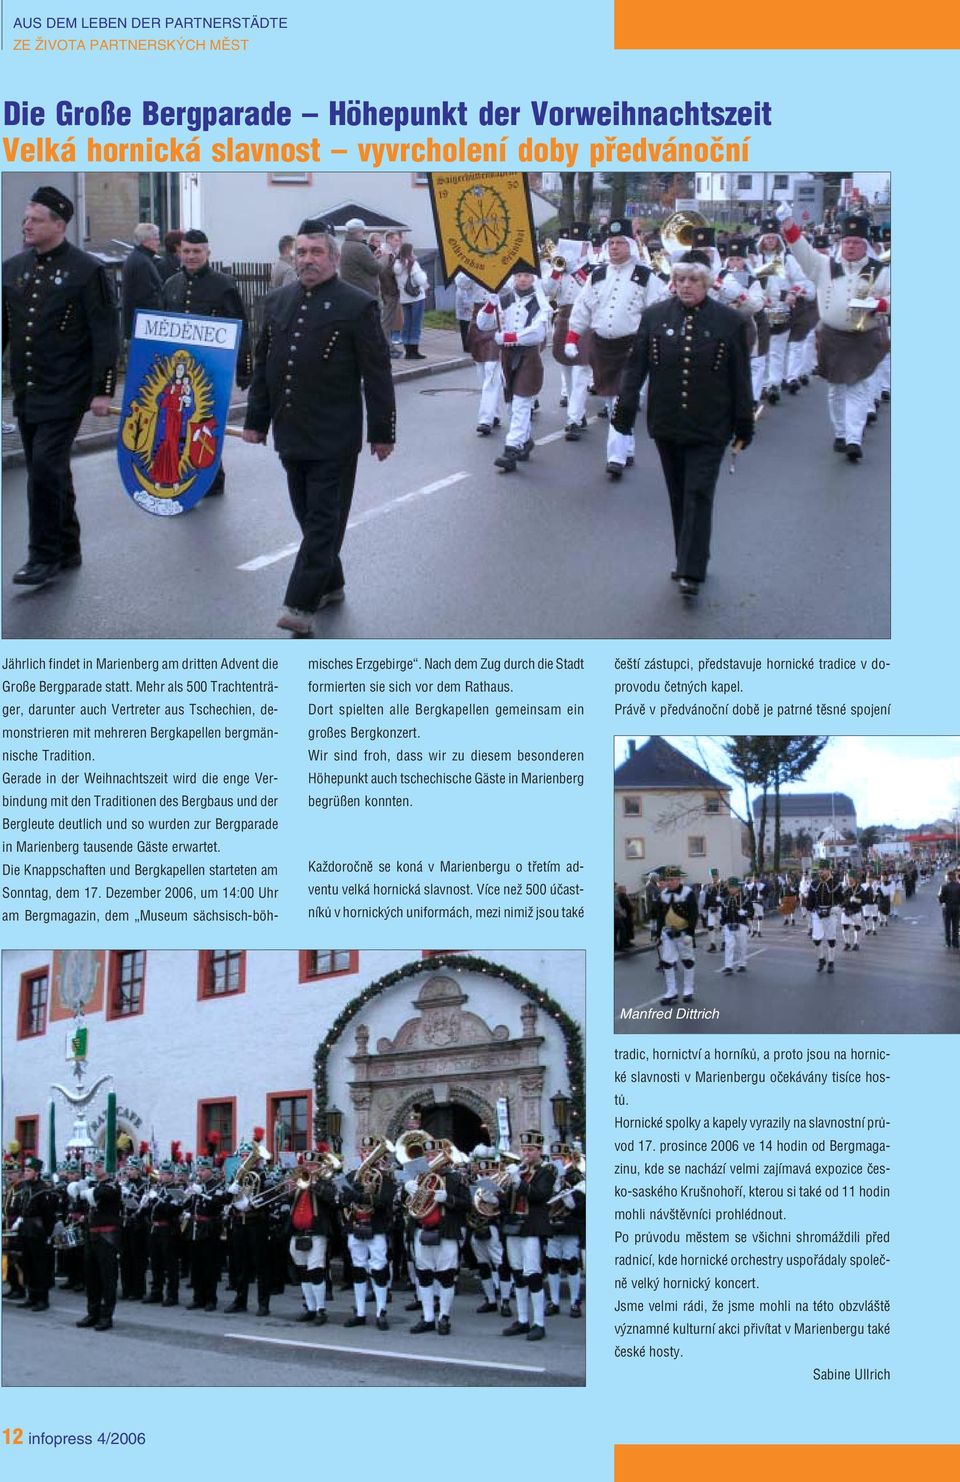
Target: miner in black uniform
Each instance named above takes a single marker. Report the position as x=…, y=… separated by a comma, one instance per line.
x=321, y=346
x=60, y=320
x=824, y=899
x=163, y=1205
x=695, y=352
x=36, y=1213
x=102, y=1250
x=198, y=290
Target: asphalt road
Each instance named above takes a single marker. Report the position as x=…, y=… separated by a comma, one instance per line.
x=902, y=981
x=442, y=545
x=170, y=1346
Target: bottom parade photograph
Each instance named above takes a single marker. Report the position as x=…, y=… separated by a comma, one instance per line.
x=385, y=1145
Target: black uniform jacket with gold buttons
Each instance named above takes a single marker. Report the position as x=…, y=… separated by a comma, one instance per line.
x=699, y=368
x=318, y=347
x=211, y=295
x=60, y=321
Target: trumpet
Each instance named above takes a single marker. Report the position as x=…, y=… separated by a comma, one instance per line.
x=771, y=269
x=559, y=262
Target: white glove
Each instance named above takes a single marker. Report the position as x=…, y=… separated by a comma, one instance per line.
x=571, y=351
x=411, y=1186
x=233, y=1188
x=145, y=1200
x=569, y=1201
x=784, y=211
x=730, y=289
x=440, y=1197
x=193, y=1189
x=513, y=1177
x=241, y=1204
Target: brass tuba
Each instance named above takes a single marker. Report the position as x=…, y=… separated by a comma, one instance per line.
x=676, y=234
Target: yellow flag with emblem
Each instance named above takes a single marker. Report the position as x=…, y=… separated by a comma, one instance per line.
x=484, y=226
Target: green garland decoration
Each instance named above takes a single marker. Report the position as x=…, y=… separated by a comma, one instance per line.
x=572, y=1033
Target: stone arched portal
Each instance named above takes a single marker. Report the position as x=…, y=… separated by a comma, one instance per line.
x=446, y=1054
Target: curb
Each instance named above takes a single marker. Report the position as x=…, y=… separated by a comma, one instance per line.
x=95, y=442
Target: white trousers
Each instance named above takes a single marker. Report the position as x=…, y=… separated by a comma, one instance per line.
x=620, y=445
x=368, y=1255
x=579, y=386
x=674, y=950
x=735, y=946
x=521, y=410
x=849, y=406
x=491, y=386
x=776, y=360
x=824, y=934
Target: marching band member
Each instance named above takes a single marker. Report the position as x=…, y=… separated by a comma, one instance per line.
x=758, y=890
x=134, y=1234
x=206, y=1199
x=483, y=1234
x=710, y=908
x=436, y=1241
x=676, y=917
x=12, y=1177
x=569, y=280
x=60, y=318
x=740, y=290
x=34, y=1211
x=567, y=1224
x=102, y=1250
x=853, y=294
x=519, y=324
x=784, y=282
x=851, y=913
x=311, y=1223
x=162, y=1205
x=823, y=900
x=199, y=291
x=247, y=1228
x=526, y=1223
x=868, y=896
x=885, y=893
x=695, y=353
x=611, y=304
x=486, y=355
x=366, y=1199
x=737, y=913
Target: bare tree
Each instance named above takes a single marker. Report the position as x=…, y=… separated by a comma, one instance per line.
x=584, y=195
x=568, y=182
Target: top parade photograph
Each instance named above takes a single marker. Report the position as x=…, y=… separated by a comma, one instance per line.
x=476, y=406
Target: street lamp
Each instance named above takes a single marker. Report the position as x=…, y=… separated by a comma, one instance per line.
x=333, y=1121
x=561, y=1112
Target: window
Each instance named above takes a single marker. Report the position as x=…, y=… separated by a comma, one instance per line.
x=220, y=973
x=290, y=177
x=712, y=805
x=288, y=1121
x=27, y=1132
x=127, y=971
x=34, y=994
x=781, y=182
x=633, y=849
x=216, y=1119
x=632, y=807
x=327, y=964
x=744, y=182
x=696, y=846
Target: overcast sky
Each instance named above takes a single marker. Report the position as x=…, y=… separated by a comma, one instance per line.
x=903, y=780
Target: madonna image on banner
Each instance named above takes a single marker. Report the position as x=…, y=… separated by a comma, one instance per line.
x=175, y=408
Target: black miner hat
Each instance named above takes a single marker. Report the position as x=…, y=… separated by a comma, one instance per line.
x=54, y=200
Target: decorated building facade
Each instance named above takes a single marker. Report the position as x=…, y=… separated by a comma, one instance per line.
x=202, y=1047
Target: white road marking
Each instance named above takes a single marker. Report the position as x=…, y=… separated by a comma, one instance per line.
x=423, y=1358
x=258, y=562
